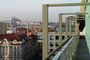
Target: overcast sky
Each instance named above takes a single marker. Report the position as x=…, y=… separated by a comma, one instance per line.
x=32, y=9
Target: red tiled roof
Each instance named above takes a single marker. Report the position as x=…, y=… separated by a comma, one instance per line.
x=9, y=36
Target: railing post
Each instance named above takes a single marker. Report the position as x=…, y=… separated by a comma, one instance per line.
x=60, y=29
x=45, y=32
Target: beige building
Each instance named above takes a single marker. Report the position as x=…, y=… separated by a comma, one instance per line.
x=10, y=50
x=3, y=27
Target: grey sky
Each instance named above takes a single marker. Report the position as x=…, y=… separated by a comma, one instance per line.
x=31, y=9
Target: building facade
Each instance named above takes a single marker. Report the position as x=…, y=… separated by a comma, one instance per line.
x=87, y=25
x=10, y=50
x=3, y=27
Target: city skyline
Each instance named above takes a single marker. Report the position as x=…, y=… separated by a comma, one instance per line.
x=31, y=9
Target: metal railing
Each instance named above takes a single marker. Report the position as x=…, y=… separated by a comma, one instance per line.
x=66, y=51
x=53, y=39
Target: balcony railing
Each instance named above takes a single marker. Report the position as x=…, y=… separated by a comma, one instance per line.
x=66, y=51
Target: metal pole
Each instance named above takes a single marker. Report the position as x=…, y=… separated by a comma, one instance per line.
x=60, y=29
x=66, y=35
x=68, y=4
x=45, y=32
x=76, y=25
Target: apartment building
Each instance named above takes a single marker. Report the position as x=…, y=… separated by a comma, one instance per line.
x=10, y=48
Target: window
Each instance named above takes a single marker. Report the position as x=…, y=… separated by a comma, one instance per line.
x=51, y=44
x=56, y=37
x=51, y=37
